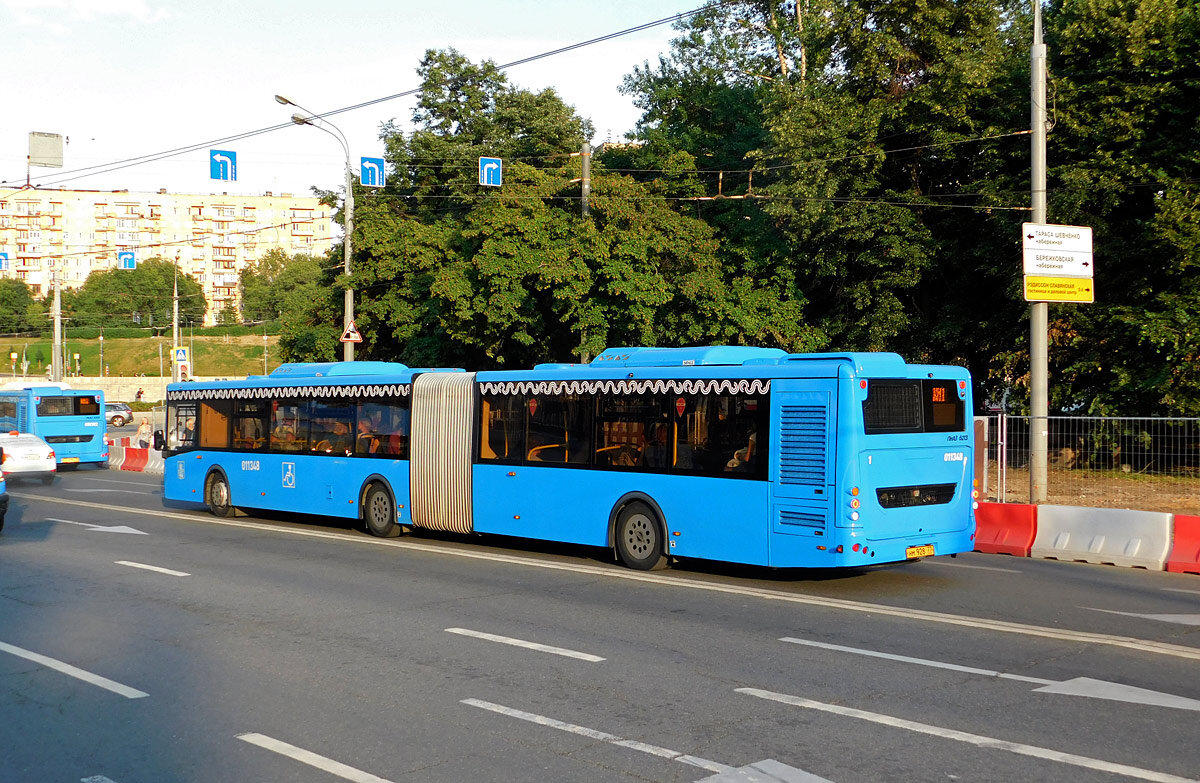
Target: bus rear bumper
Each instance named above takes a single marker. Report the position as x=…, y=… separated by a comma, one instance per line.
x=807, y=552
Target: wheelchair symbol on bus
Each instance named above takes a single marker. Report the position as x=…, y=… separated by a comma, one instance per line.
x=289, y=475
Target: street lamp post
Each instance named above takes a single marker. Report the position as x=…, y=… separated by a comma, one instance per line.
x=347, y=213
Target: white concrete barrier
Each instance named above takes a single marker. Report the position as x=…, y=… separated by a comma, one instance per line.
x=116, y=454
x=154, y=463
x=1138, y=539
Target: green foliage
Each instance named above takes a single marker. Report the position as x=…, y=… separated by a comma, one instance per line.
x=120, y=297
x=17, y=307
x=872, y=179
x=276, y=284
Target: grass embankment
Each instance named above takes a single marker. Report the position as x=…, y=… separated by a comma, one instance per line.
x=226, y=355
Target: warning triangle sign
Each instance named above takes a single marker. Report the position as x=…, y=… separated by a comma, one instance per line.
x=351, y=335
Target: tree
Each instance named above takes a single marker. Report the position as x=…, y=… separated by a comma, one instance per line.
x=277, y=283
x=16, y=300
x=114, y=297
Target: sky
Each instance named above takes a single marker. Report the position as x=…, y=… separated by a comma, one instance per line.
x=126, y=78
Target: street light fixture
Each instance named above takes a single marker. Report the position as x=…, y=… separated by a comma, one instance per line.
x=347, y=213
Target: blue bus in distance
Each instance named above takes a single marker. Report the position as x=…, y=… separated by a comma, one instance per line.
x=735, y=454
x=70, y=420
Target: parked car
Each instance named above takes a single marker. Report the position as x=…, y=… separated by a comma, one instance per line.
x=27, y=456
x=117, y=414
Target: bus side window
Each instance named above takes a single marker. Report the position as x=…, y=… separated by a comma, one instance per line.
x=289, y=425
x=248, y=425
x=501, y=430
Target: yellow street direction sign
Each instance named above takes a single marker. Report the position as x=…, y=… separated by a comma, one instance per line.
x=1059, y=289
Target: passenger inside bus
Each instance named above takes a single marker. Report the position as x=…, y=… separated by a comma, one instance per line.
x=367, y=441
x=657, y=452
x=745, y=458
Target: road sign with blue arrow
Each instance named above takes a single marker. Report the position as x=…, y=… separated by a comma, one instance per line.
x=491, y=172
x=222, y=164
x=126, y=260
x=372, y=173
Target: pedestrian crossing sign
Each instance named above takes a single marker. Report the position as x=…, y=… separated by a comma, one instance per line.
x=179, y=354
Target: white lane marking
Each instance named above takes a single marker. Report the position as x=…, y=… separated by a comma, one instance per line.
x=919, y=661
x=168, y=571
x=123, y=483
x=974, y=739
x=1078, y=686
x=74, y=671
x=1177, y=590
x=595, y=734
x=975, y=567
x=613, y=572
x=119, y=491
x=766, y=771
x=99, y=528
x=491, y=637
x=1181, y=619
x=96, y=779
x=311, y=759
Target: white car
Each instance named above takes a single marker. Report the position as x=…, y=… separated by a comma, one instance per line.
x=27, y=456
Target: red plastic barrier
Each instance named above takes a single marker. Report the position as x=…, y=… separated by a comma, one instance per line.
x=1185, y=554
x=1005, y=528
x=135, y=459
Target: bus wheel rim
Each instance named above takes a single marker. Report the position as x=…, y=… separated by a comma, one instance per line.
x=639, y=536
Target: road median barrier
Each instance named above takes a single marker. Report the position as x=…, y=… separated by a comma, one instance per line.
x=135, y=459
x=1185, y=552
x=1135, y=539
x=1005, y=528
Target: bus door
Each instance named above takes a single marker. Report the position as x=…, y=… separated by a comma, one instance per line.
x=803, y=416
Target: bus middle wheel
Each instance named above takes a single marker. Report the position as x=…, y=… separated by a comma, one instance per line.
x=379, y=513
x=639, y=538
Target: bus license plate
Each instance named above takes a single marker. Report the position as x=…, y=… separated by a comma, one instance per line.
x=924, y=550
x=70, y=459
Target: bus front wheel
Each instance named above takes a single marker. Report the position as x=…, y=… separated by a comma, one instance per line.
x=217, y=496
x=379, y=513
x=639, y=538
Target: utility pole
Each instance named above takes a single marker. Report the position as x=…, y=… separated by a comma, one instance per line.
x=1038, y=311
x=586, y=187
x=175, y=328
x=56, y=367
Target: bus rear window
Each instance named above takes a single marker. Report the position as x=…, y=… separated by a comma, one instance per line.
x=895, y=406
x=68, y=406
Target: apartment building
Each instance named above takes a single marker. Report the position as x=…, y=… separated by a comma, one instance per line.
x=212, y=238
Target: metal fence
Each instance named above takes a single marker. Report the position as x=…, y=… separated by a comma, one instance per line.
x=1149, y=464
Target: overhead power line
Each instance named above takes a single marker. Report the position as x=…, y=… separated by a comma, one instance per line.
x=104, y=168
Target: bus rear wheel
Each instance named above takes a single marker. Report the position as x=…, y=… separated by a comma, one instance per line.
x=217, y=495
x=639, y=538
x=379, y=513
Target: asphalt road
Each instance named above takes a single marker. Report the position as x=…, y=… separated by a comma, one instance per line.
x=141, y=642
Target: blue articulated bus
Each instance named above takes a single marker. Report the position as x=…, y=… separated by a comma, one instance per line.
x=736, y=454
x=70, y=420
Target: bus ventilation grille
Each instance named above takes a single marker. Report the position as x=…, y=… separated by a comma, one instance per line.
x=67, y=438
x=800, y=519
x=925, y=495
x=802, y=444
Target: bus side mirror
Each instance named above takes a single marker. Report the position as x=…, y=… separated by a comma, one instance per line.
x=159, y=440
